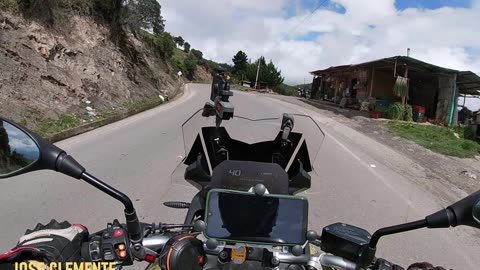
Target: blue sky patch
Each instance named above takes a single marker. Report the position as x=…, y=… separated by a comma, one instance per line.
x=431, y=4
x=310, y=36
x=310, y=5
x=337, y=8
x=473, y=52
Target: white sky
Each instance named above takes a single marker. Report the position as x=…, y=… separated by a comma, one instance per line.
x=472, y=104
x=367, y=30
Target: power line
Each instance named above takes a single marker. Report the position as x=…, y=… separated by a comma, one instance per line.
x=300, y=23
x=305, y=19
x=292, y=30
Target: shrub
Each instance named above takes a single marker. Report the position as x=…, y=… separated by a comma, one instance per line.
x=408, y=112
x=398, y=111
x=165, y=45
x=197, y=53
x=191, y=65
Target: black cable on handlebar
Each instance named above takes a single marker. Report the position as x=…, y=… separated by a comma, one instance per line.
x=396, y=229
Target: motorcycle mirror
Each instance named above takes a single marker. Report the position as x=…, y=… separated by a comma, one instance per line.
x=23, y=151
x=464, y=212
x=18, y=151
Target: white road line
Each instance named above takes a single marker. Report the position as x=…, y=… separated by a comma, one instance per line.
x=315, y=115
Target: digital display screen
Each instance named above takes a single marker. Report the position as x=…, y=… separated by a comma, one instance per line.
x=242, y=175
x=248, y=181
x=247, y=217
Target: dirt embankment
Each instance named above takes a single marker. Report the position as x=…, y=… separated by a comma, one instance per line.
x=46, y=72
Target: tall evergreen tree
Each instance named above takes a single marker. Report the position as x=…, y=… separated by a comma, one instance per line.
x=240, y=63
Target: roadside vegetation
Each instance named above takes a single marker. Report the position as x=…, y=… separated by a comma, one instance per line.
x=142, y=104
x=442, y=140
x=244, y=69
x=143, y=20
x=241, y=87
x=124, y=18
x=49, y=127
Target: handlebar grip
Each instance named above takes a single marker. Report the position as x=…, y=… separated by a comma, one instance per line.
x=133, y=227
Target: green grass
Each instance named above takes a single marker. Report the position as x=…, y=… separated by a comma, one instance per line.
x=142, y=104
x=287, y=90
x=178, y=59
x=179, y=55
x=438, y=139
x=240, y=87
x=48, y=127
x=64, y=122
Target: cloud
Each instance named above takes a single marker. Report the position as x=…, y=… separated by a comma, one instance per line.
x=366, y=30
x=19, y=142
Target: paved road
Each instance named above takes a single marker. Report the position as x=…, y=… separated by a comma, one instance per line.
x=138, y=154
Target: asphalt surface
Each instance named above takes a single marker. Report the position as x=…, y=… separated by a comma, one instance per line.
x=137, y=155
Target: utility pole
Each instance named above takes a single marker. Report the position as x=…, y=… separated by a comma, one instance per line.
x=258, y=70
x=304, y=88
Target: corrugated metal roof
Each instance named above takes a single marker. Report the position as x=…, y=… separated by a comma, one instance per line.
x=467, y=81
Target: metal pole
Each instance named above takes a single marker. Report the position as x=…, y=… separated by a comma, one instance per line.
x=453, y=101
x=258, y=70
x=404, y=99
x=371, y=81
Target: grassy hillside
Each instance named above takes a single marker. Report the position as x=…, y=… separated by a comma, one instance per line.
x=307, y=86
x=179, y=55
x=285, y=89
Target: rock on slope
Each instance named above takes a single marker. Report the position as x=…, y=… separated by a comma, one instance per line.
x=48, y=72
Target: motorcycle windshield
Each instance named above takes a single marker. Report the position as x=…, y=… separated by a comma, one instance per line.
x=247, y=140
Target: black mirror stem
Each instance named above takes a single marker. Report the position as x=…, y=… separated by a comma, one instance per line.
x=133, y=225
x=396, y=229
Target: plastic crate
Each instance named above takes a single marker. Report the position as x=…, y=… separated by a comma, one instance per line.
x=375, y=114
x=418, y=109
x=382, y=105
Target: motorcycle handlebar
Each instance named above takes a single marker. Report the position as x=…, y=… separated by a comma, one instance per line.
x=156, y=242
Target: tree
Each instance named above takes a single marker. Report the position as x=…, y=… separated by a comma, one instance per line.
x=186, y=47
x=197, y=54
x=240, y=63
x=179, y=40
x=274, y=76
x=144, y=14
x=268, y=73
